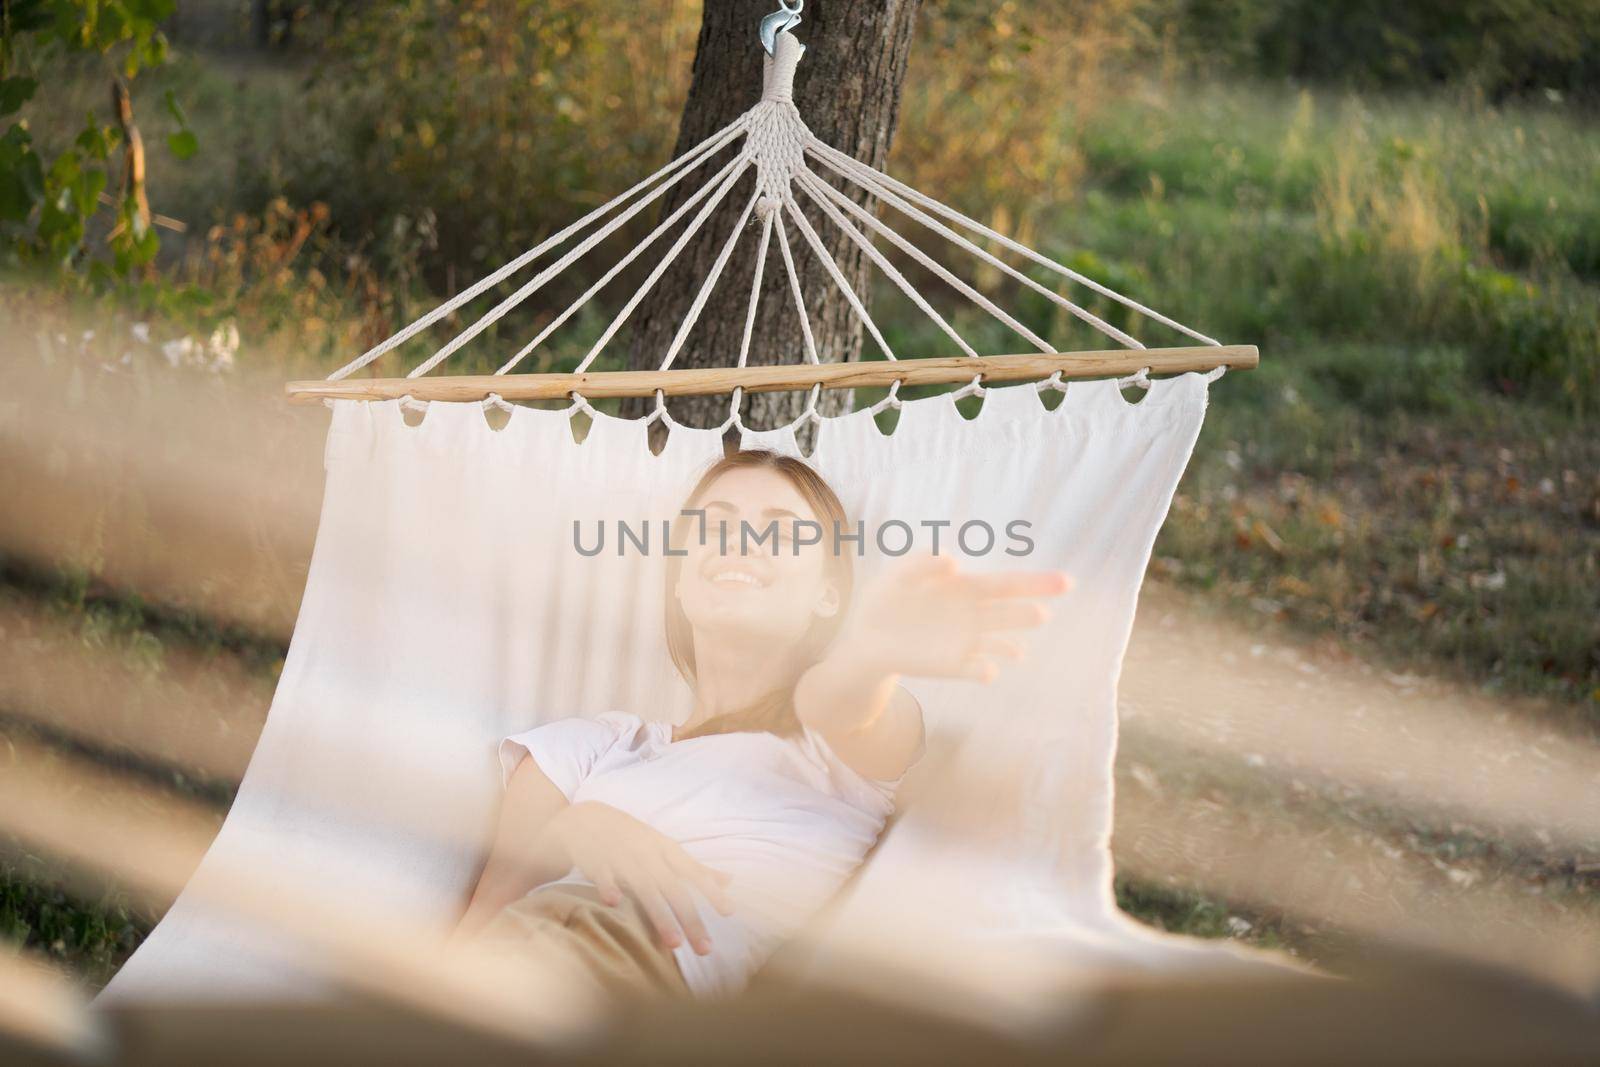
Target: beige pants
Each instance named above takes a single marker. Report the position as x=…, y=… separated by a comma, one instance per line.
x=616, y=946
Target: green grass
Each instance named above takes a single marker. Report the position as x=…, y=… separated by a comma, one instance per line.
x=1298, y=218
x=1527, y=170
x=1185, y=911
x=1455, y=531
x=91, y=938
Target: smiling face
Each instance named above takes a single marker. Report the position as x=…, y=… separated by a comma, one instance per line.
x=752, y=578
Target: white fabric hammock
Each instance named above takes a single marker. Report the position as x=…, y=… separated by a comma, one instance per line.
x=446, y=607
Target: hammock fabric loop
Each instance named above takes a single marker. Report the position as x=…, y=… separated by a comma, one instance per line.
x=890, y=399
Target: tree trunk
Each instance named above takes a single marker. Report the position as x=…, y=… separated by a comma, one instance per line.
x=261, y=23
x=848, y=91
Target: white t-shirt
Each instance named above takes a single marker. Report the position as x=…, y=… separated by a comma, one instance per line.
x=786, y=818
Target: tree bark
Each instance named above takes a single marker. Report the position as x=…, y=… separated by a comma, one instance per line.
x=848, y=91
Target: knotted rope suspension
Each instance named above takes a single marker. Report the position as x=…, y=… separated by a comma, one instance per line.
x=789, y=162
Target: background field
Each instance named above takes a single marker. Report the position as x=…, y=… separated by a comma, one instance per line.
x=1398, y=203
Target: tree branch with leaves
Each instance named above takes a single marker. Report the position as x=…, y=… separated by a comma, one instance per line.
x=49, y=204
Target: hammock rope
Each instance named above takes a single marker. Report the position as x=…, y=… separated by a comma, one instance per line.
x=825, y=201
x=682, y=165
x=965, y=245
x=873, y=178
x=772, y=141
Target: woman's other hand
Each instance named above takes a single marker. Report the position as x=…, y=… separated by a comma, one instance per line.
x=618, y=853
x=923, y=616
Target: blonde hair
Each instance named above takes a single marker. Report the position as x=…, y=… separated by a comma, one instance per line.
x=774, y=712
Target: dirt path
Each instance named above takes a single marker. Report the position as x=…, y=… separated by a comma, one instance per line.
x=1290, y=776
x=1308, y=711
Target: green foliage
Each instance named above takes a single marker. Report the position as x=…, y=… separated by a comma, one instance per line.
x=479, y=125
x=183, y=143
x=1503, y=47
x=48, y=206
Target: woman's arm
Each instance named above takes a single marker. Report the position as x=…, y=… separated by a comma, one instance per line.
x=860, y=709
x=541, y=837
x=523, y=856
x=924, y=618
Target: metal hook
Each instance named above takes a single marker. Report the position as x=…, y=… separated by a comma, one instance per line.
x=780, y=21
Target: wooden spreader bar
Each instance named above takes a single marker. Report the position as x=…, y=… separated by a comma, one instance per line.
x=954, y=370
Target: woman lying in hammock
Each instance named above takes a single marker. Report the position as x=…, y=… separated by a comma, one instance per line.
x=615, y=833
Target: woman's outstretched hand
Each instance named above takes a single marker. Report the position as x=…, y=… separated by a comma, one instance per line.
x=923, y=616
x=619, y=853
